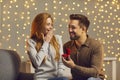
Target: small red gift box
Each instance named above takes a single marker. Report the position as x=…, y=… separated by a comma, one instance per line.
x=65, y=55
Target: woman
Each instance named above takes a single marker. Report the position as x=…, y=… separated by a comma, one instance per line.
x=45, y=49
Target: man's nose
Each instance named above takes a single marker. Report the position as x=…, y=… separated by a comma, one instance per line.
x=70, y=30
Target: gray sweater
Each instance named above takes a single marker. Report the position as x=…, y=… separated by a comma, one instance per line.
x=50, y=68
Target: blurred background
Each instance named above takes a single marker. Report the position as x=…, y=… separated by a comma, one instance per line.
x=16, y=17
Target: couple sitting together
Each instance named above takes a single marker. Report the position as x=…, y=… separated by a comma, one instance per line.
x=82, y=54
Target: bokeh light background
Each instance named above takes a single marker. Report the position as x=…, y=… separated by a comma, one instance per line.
x=16, y=17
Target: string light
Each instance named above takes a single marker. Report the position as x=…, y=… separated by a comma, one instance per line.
x=1, y=1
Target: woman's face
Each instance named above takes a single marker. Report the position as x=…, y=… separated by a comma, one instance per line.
x=48, y=25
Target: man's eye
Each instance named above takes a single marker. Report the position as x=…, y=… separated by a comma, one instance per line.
x=72, y=27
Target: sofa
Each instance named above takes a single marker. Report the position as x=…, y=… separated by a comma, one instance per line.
x=10, y=66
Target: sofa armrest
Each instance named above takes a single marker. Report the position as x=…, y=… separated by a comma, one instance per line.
x=25, y=76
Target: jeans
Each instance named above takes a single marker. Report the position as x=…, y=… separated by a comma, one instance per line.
x=58, y=78
x=92, y=78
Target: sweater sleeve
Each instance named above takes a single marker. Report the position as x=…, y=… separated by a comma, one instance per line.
x=61, y=67
x=96, y=63
x=36, y=57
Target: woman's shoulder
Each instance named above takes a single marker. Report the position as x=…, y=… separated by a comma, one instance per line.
x=58, y=35
x=58, y=38
x=31, y=41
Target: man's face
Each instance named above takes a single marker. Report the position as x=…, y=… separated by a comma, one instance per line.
x=74, y=30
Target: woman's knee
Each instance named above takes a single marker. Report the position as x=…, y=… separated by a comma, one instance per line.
x=64, y=78
x=59, y=78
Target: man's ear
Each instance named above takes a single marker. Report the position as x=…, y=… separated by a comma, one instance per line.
x=84, y=29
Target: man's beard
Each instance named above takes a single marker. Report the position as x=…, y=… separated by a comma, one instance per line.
x=75, y=38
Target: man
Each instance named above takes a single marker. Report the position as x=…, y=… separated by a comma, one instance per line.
x=86, y=54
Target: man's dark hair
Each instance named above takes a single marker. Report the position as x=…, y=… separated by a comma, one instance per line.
x=82, y=19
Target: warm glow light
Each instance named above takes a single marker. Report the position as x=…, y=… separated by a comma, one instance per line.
x=1, y=1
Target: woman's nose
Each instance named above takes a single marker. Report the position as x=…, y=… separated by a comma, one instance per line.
x=51, y=27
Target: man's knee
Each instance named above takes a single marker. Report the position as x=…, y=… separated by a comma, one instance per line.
x=92, y=78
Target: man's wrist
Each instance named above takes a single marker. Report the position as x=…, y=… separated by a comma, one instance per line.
x=73, y=66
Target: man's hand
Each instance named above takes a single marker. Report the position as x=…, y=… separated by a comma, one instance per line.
x=69, y=63
x=65, y=55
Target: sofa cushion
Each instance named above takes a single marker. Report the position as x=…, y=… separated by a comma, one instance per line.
x=9, y=65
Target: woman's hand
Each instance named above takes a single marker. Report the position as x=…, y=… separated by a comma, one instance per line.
x=48, y=36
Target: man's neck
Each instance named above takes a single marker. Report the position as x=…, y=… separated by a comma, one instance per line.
x=81, y=40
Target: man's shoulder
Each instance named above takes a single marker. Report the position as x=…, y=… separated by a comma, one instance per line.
x=94, y=42
x=68, y=43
